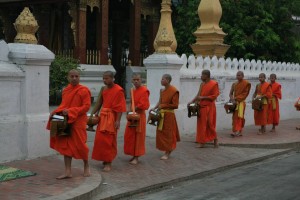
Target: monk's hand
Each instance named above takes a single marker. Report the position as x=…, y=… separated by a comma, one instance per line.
x=117, y=124
x=65, y=112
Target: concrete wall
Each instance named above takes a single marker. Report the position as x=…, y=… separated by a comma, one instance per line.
x=224, y=71
x=24, y=108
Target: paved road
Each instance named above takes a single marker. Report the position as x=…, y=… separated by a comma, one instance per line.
x=276, y=179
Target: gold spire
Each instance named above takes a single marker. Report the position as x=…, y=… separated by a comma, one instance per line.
x=165, y=41
x=26, y=27
x=210, y=37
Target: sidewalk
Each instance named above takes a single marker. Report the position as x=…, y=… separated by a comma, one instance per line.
x=185, y=163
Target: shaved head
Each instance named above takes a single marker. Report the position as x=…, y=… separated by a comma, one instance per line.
x=273, y=75
x=73, y=71
x=168, y=77
x=206, y=72
x=108, y=73
x=240, y=73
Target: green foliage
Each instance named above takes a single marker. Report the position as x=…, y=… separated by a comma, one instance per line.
x=59, y=69
x=255, y=29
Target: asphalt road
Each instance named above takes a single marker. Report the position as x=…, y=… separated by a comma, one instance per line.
x=275, y=179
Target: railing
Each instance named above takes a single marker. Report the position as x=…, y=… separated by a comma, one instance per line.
x=194, y=65
x=67, y=53
x=93, y=57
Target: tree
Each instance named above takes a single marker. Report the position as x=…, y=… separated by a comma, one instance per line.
x=256, y=29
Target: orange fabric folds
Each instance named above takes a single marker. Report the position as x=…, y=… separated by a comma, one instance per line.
x=261, y=117
x=167, y=138
x=274, y=115
x=105, y=143
x=134, y=137
x=241, y=92
x=107, y=119
x=77, y=99
x=206, y=123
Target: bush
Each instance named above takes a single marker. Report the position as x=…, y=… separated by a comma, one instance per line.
x=59, y=69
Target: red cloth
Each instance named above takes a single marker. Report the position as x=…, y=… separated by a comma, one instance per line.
x=241, y=92
x=77, y=99
x=274, y=115
x=206, y=123
x=261, y=117
x=105, y=143
x=167, y=138
x=134, y=138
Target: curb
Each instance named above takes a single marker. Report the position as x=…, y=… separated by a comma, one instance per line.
x=195, y=176
x=293, y=145
x=86, y=191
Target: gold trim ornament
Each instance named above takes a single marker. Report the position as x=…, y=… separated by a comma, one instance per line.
x=26, y=27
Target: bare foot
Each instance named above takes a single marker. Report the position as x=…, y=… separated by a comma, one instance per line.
x=165, y=157
x=298, y=128
x=200, y=146
x=216, y=144
x=134, y=161
x=86, y=172
x=107, y=167
x=233, y=134
x=273, y=130
x=64, y=176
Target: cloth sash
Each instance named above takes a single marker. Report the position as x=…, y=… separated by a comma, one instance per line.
x=274, y=103
x=162, y=116
x=240, y=109
x=107, y=121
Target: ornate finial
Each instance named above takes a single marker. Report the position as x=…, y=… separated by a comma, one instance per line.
x=129, y=62
x=109, y=61
x=209, y=36
x=165, y=41
x=26, y=27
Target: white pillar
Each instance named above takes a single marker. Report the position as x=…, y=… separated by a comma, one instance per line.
x=34, y=61
x=157, y=65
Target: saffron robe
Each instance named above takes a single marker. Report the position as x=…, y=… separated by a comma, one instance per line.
x=206, y=122
x=134, y=137
x=105, y=143
x=274, y=115
x=168, y=136
x=261, y=117
x=240, y=93
x=77, y=99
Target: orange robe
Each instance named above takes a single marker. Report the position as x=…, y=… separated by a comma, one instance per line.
x=168, y=136
x=241, y=91
x=206, y=123
x=105, y=143
x=134, y=137
x=261, y=117
x=274, y=115
x=77, y=99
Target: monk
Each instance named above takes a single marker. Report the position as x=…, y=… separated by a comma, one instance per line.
x=274, y=115
x=167, y=133
x=134, y=137
x=76, y=101
x=206, y=122
x=112, y=104
x=263, y=90
x=238, y=94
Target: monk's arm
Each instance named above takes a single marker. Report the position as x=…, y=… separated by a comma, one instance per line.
x=215, y=93
x=268, y=92
x=74, y=112
x=255, y=93
x=98, y=103
x=231, y=92
x=174, y=102
x=118, y=119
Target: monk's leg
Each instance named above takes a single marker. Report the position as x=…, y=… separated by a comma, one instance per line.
x=68, y=171
x=166, y=156
x=107, y=167
x=216, y=143
x=273, y=128
x=86, y=168
x=134, y=160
